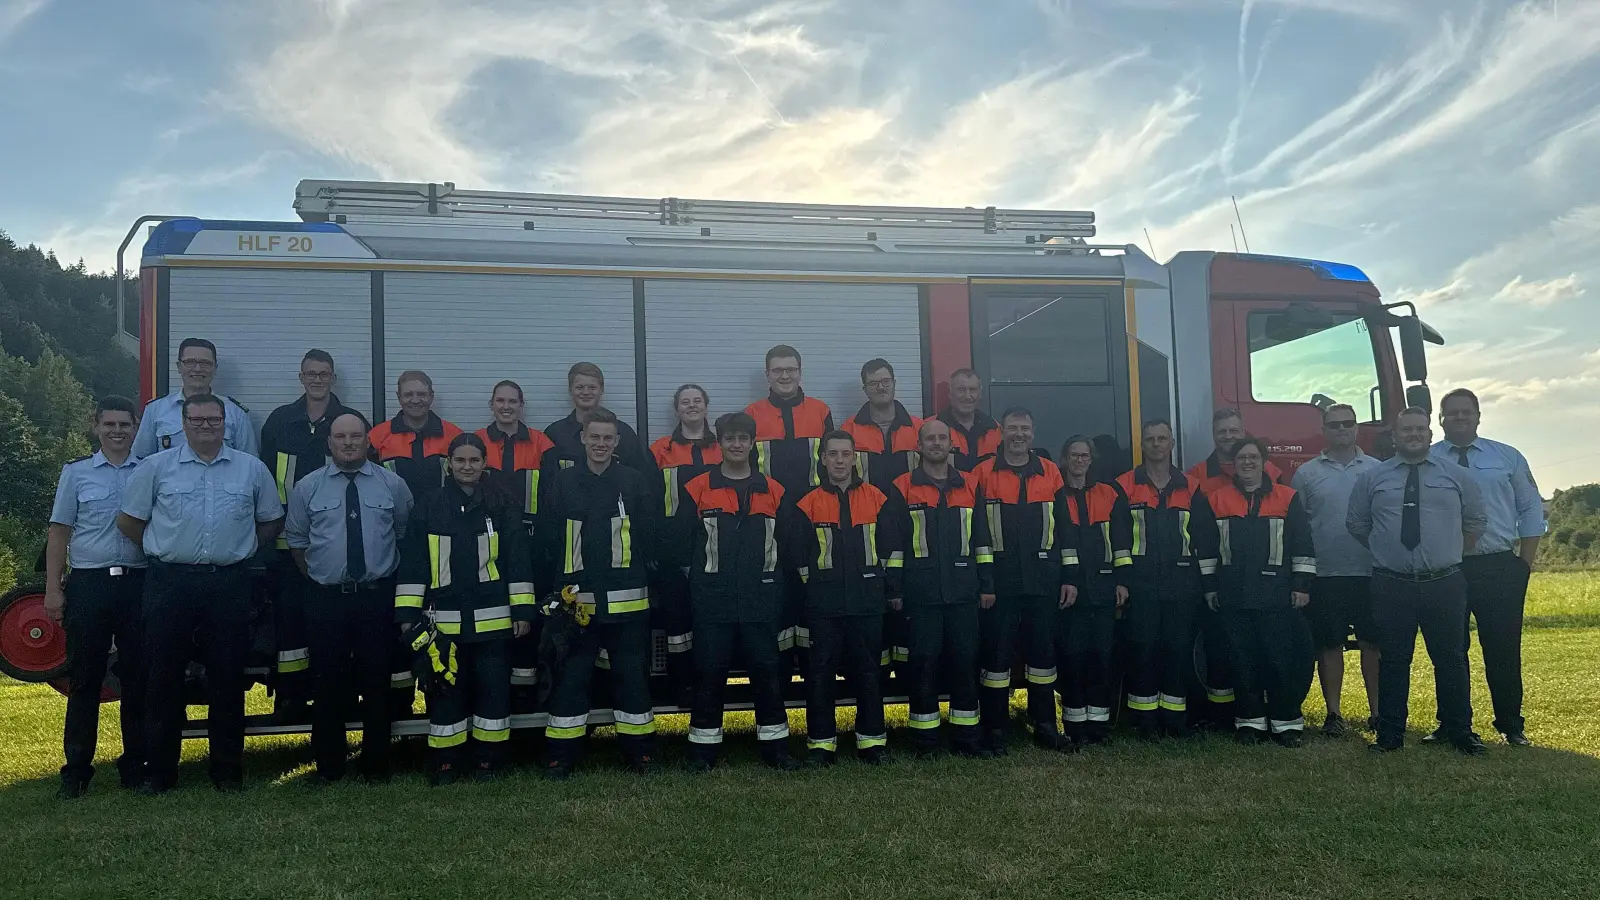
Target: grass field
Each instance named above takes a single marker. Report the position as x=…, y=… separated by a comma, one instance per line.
x=1201, y=819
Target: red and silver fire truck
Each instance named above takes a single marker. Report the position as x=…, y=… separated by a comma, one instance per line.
x=476, y=286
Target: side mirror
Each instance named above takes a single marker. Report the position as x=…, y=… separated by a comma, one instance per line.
x=1419, y=395
x=1411, y=349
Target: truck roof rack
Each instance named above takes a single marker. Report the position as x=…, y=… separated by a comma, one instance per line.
x=378, y=201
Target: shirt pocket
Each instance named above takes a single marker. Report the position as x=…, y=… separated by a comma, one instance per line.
x=237, y=501
x=178, y=501
x=377, y=514
x=97, y=505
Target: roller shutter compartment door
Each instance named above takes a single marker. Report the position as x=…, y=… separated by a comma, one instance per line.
x=717, y=333
x=264, y=320
x=470, y=331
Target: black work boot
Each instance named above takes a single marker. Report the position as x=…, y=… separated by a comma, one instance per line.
x=995, y=740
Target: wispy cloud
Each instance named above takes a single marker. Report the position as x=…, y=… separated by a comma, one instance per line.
x=1541, y=293
x=13, y=13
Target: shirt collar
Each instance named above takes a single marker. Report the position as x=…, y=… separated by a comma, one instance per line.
x=902, y=418
x=367, y=468
x=757, y=481
x=919, y=475
x=434, y=427
x=981, y=423
x=1360, y=455
x=521, y=434
x=1031, y=467
x=186, y=454
x=1178, y=481
x=790, y=403
x=334, y=410
x=99, y=459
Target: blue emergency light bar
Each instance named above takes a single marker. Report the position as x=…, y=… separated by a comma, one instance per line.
x=1328, y=271
x=173, y=236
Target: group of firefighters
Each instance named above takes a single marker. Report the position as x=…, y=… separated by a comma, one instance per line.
x=513, y=563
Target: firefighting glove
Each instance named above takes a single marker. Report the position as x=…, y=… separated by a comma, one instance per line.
x=443, y=659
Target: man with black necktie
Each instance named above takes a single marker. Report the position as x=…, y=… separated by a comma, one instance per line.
x=1418, y=516
x=344, y=525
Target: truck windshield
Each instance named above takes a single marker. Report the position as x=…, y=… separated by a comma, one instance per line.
x=1317, y=358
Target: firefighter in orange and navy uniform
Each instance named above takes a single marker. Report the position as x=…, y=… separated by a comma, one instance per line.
x=605, y=523
x=974, y=437
x=1163, y=585
x=946, y=566
x=521, y=457
x=690, y=450
x=789, y=430
x=1259, y=585
x=885, y=436
x=415, y=445
x=294, y=443
x=731, y=522
x=1096, y=542
x=846, y=556
x=1021, y=495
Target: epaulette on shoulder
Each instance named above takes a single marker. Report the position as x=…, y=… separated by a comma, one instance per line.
x=237, y=403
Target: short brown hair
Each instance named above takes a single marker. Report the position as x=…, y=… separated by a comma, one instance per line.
x=1337, y=407
x=836, y=435
x=1227, y=412
x=412, y=375
x=586, y=368
x=602, y=416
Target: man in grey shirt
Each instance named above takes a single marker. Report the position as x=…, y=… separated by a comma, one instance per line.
x=1418, y=516
x=344, y=524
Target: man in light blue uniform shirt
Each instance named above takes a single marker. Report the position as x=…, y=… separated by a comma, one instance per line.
x=199, y=511
x=343, y=528
x=1341, y=595
x=1498, y=568
x=99, y=604
x=161, y=426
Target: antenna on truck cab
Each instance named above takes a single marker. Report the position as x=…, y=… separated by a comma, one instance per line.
x=377, y=201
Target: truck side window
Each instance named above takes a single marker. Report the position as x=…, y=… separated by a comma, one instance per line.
x=1047, y=338
x=1317, y=358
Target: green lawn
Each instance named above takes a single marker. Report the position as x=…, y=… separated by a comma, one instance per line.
x=1205, y=819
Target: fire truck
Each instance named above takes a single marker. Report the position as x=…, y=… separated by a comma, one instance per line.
x=478, y=286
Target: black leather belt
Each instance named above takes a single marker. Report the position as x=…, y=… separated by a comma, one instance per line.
x=1418, y=577
x=113, y=571
x=356, y=587
x=187, y=569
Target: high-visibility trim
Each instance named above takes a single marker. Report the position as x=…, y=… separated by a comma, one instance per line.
x=705, y=735
x=1208, y=567
x=963, y=716
x=861, y=466
x=1279, y=726
x=1099, y=713
x=1306, y=565
x=296, y=660
x=1259, y=723
x=824, y=547
x=1137, y=515
x=869, y=538
x=764, y=458
x=964, y=514
x=1047, y=541
x=772, y=732
x=524, y=676
x=1224, y=543
x=1120, y=558
x=901, y=654
x=786, y=638
x=447, y=615
x=1069, y=556
x=1274, y=542
x=566, y=728
x=769, y=559
x=924, y=721
x=521, y=594
x=282, y=543
x=816, y=456
x=490, y=730
x=439, y=560
x=680, y=643
x=713, y=552
x=530, y=503
x=1075, y=715
x=919, y=533
x=1175, y=704
x=984, y=555
x=1183, y=531
x=489, y=556
x=669, y=488
x=997, y=542
x=1105, y=541
x=1219, y=695
x=634, y=723
x=896, y=560
x=491, y=618
x=829, y=744
x=802, y=636
x=602, y=659
x=886, y=657
x=805, y=574
x=1041, y=676
x=572, y=550
x=402, y=679
x=451, y=735
x=868, y=741
x=994, y=679
x=1143, y=703
x=408, y=596
x=621, y=541
x=285, y=474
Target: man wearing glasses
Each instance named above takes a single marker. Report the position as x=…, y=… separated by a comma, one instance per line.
x=1341, y=596
x=199, y=512
x=294, y=443
x=162, y=428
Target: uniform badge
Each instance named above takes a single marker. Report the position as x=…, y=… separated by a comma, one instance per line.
x=166, y=442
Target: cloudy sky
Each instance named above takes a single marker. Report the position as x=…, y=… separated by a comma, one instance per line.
x=1448, y=147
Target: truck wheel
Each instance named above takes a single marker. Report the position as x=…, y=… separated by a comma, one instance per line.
x=33, y=648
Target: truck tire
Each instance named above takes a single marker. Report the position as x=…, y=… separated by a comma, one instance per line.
x=33, y=648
